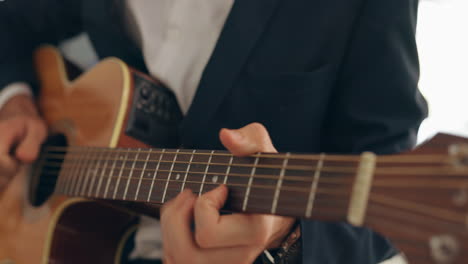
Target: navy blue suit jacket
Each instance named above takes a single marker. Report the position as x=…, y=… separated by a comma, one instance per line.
x=334, y=76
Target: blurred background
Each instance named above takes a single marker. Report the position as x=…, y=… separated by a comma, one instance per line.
x=442, y=38
x=443, y=50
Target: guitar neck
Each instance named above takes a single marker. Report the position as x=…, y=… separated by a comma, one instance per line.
x=321, y=187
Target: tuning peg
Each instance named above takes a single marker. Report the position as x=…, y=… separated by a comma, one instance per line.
x=459, y=154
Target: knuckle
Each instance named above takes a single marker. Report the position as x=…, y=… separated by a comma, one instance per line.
x=258, y=128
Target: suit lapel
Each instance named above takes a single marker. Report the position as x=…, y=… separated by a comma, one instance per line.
x=241, y=31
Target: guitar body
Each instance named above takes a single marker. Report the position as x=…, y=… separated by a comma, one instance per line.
x=90, y=111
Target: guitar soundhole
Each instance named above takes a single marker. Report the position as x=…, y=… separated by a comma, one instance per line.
x=46, y=169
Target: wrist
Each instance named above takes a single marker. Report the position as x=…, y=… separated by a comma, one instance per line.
x=21, y=104
x=289, y=250
x=286, y=227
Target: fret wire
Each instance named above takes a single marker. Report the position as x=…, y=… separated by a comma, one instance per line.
x=169, y=177
x=313, y=187
x=95, y=171
x=206, y=172
x=102, y=172
x=247, y=191
x=87, y=172
x=155, y=174
x=79, y=171
x=142, y=173
x=124, y=160
x=228, y=169
x=130, y=176
x=187, y=171
x=109, y=180
x=278, y=185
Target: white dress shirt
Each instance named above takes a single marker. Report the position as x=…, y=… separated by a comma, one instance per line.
x=177, y=38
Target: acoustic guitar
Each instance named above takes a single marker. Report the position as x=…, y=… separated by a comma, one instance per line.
x=98, y=172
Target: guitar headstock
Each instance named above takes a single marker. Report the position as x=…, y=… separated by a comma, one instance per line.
x=419, y=200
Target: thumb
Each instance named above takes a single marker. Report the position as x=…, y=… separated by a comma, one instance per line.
x=247, y=140
x=36, y=132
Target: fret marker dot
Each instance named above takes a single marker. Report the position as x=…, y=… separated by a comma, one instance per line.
x=214, y=179
x=149, y=174
x=177, y=176
x=121, y=157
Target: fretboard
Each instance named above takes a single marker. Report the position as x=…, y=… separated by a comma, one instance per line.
x=306, y=186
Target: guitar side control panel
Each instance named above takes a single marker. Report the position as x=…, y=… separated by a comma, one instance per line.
x=155, y=114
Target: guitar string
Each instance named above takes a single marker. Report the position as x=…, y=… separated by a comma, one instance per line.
x=172, y=191
x=263, y=186
x=434, y=212
x=294, y=178
x=233, y=195
x=409, y=170
x=57, y=167
x=403, y=171
x=72, y=158
x=292, y=206
x=407, y=158
x=271, y=187
x=439, y=211
x=377, y=212
x=249, y=166
x=395, y=240
x=376, y=183
x=170, y=180
x=286, y=205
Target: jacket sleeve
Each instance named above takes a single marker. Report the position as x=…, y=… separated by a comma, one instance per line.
x=375, y=106
x=25, y=25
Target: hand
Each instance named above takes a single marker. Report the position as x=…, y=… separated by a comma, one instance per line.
x=22, y=131
x=236, y=238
